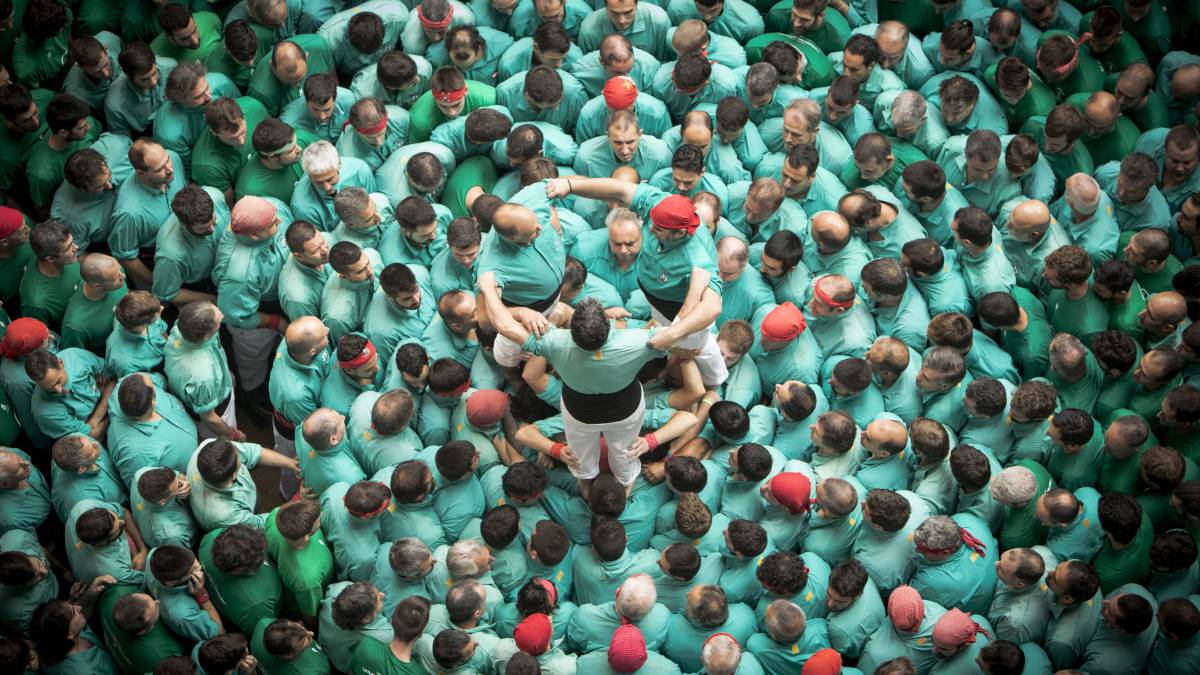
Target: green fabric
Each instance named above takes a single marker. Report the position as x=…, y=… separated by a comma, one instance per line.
x=134, y=654
x=199, y=374
x=231, y=505
x=312, y=661
x=182, y=258
x=171, y=523
x=273, y=94
x=65, y=413
x=12, y=268
x=15, y=146
x=87, y=323
x=372, y=657
x=1038, y=101
x=304, y=572
x=44, y=168
x=218, y=165
x=45, y=298
x=20, y=602
x=245, y=600
x=208, y=30
x=425, y=116
x=36, y=64
x=1021, y=528
x=1129, y=564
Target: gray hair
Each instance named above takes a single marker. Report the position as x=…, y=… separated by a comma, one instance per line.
x=319, y=427
x=637, y=597
x=946, y=362
x=1014, y=486
x=408, y=556
x=1067, y=352
x=623, y=214
x=809, y=109
x=350, y=202
x=939, y=533
x=908, y=108
x=460, y=559
x=320, y=157
x=1083, y=193
x=721, y=655
x=183, y=79
x=785, y=621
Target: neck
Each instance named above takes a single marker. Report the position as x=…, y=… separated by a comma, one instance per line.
x=1022, y=322
x=401, y=650
x=57, y=142
x=1077, y=291
x=49, y=268
x=91, y=293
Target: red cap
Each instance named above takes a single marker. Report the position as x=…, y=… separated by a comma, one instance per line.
x=11, y=220
x=23, y=336
x=620, y=92
x=627, y=649
x=486, y=407
x=793, y=490
x=783, y=323
x=676, y=212
x=534, y=633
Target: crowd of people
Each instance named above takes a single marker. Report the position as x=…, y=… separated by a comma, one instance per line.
x=599, y=336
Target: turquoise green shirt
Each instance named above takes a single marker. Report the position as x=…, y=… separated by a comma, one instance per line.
x=346, y=57
x=320, y=469
x=353, y=540
x=178, y=127
x=344, y=302
x=685, y=640
x=647, y=32
x=86, y=89
x=247, y=273
x=338, y=642
x=168, y=441
x=198, y=373
x=317, y=207
x=141, y=210
x=88, y=562
x=887, y=643
x=366, y=83
x=850, y=628
x=134, y=654
x=592, y=626
x=351, y=143
x=181, y=257
x=66, y=413
x=128, y=109
x=775, y=657
x=592, y=74
x=20, y=602
x=425, y=116
x=171, y=523
x=100, y=483
x=234, y=505
x=966, y=579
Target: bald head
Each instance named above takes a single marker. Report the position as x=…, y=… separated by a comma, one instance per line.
x=1167, y=307
x=324, y=428
x=1029, y=220
x=1125, y=435
x=1185, y=83
x=837, y=288
x=516, y=222
x=1134, y=83
x=732, y=255
x=626, y=174
x=615, y=47
x=304, y=335
x=830, y=231
x=691, y=36
x=101, y=271
x=1083, y=194
x=1101, y=113
x=885, y=436
x=889, y=354
x=289, y=63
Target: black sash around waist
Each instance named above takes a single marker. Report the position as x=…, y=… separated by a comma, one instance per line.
x=668, y=308
x=603, y=408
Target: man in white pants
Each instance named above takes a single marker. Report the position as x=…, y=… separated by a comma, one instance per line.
x=602, y=397
x=676, y=268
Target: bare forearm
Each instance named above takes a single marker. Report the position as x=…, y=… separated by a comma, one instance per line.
x=214, y=421
x=700, y=317
x=502, y=320
x=679, y=424
x=605, y=189
x=187, y=297
x=136, y=269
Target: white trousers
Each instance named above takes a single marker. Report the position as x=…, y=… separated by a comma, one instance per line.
x=584, y=440
x=710, y=361
x=254, y=349
x=229, y=416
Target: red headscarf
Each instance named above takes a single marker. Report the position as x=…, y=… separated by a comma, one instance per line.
x=676, y=212
x=956, y=628
x=251, y=214
x=23, y=336
x=627, y=649
x=906, y=608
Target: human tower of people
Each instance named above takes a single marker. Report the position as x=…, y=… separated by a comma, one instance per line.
x=599, y=336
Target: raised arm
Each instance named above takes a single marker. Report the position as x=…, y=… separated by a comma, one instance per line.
x=604, y=189
x=501, y=319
